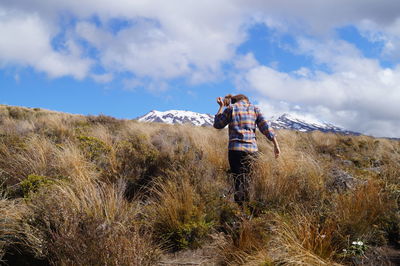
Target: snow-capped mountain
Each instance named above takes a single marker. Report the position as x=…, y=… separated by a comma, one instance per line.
x=285, y=121
x=305, y=124
x=178, y=117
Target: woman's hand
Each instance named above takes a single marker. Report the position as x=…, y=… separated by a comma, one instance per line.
x=220, y=101
x=277, y=151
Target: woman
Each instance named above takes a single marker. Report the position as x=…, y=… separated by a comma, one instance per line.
x=242, y=117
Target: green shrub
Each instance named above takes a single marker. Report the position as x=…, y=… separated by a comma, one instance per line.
x=189, y=235
x=33, y=183
x=94, y=148
x=224, y=212
x=137, y=157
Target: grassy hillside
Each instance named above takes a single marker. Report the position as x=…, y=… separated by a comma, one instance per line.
x=94, y=190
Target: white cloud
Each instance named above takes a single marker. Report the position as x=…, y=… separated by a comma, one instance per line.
x=142, y=49
x=317, y=16
x=165, y=40
x=26, y=40
x=191, y=42
x=132, y=84
x=193, y=38
x=102, y=78
x=244, y=62
x=154, y=86
x=17, y=78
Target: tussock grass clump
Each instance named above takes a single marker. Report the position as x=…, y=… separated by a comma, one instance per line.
x=87, y=223
x=56, y=128
x=363, y=214
x=19, y=113
x=12, y=214
x=20, y=157
x=16, y=127
x=177, y=214
x=136, y=158
x=246, y=242
x=303, y=238
x=38, y=156
x=296, y=177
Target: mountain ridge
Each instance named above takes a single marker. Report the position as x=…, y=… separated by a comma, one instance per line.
x=178, y=117
x=284, y=121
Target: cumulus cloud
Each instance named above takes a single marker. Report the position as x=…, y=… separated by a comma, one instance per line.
x=193, y=38
x=189, y=39
x=142, y=49
x=26, y=40
x=102, y=78
x=320, y=17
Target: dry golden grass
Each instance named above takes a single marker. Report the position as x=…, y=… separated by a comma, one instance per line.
x=120, y=189
x=295, y=177
x=363, y=214
x=12, y=214
x=71, y=162
x=87, y=223
x=301, y=238
x=177, y=214
x=21, y=157
x=19, y=127
x=245, y=244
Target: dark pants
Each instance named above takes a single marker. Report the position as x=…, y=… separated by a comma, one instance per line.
x=240, y=163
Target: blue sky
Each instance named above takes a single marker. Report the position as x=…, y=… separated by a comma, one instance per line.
x=339, y=64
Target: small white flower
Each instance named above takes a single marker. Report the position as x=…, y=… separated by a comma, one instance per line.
x=360, y=243
x=354, y=243
x=344, y=250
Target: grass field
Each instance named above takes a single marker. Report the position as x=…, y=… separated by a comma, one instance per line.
x=94, y=190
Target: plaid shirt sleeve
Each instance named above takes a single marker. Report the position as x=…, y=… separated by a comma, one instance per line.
x=223, y=119
x=264, y=126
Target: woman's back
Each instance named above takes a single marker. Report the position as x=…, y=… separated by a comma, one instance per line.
x=243, y=118
x=242, y=127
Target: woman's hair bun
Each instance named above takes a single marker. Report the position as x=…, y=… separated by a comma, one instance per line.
x=227, y=99
x=230, y=99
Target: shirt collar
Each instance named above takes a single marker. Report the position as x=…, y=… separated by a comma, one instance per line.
x=242, y=102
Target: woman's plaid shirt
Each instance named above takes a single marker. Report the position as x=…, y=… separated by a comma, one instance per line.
x=243, y=118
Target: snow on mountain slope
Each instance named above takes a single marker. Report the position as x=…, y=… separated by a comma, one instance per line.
x=178, y=117
x=285, y=121
x=305, y=124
